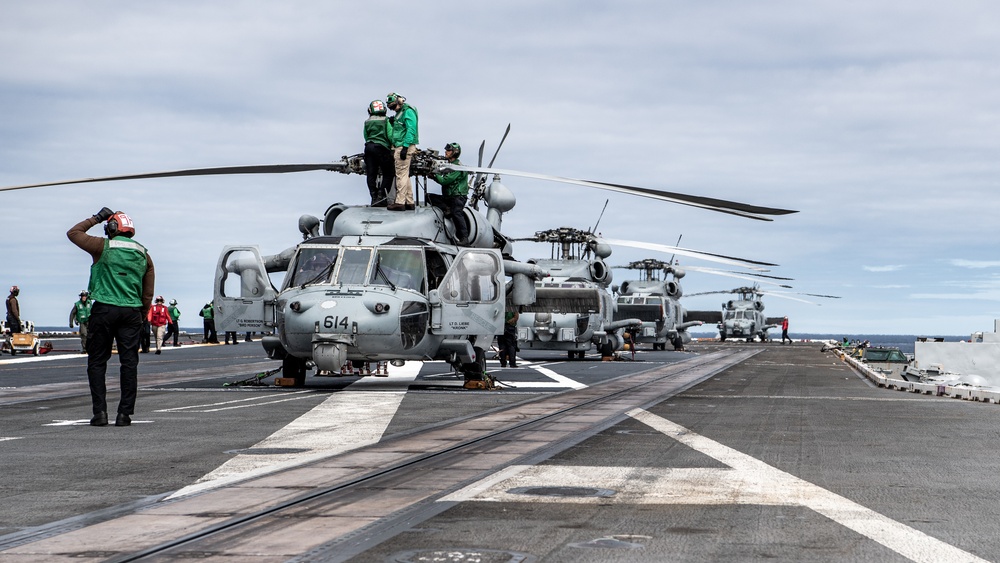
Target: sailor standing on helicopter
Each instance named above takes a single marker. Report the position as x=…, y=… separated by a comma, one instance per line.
x=404, y=142
x=378, y=153
x=454, y=192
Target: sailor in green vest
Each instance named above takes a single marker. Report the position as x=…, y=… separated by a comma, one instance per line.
x=405, y=137
x=121, y=286
x=172, y=328
x=379, y=166
x=80, y=314
x=454, y=192
x=208, y=313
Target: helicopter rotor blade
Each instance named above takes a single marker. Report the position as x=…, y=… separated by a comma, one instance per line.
x=494, y=159
x=720, y=205
x=341, y=166
x=721, y=258
x=723, y=273
x=482, y=147
x=786, y=296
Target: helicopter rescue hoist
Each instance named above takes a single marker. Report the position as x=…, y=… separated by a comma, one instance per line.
x=370, y=285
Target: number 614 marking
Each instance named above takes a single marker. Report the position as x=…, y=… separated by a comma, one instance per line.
x=332, y=322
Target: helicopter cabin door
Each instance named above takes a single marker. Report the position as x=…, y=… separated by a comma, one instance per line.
x=244, y=297
x=470, y=299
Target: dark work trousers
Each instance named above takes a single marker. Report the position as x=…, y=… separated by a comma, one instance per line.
x=507, y=342
x=108, y=324
x=454, y=207
x=378, y=160
x=211, y=336
x=171, y=329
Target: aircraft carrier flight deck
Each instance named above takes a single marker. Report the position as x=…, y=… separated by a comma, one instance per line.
x=723, y=452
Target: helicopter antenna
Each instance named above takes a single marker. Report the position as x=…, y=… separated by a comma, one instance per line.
x=599, y=217
x=674, y=255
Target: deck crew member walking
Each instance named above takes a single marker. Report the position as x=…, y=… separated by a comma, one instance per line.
x=80, y=314
x=158, y=318
x=121, y=285
x=784, y=330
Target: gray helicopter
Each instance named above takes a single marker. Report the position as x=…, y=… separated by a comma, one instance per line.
x=655, y=301
x=573, y=310
x=371, y=285
x=743, y=317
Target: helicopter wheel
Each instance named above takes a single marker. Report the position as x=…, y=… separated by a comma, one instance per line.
x=294, y=368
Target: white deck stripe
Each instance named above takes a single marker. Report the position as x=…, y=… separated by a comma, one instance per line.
x=898, y=537
x=343, y=422
x=749, y=481
x=221, y=403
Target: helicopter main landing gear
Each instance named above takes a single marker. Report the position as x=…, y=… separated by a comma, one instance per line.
x=295, y=369
x=475, y=373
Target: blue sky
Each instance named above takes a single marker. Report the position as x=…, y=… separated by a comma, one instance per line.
x=877, y=120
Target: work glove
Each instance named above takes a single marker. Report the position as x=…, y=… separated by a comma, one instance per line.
x=402, y=153
x=103, y=214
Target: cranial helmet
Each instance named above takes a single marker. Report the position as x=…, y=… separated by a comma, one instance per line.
x=376, y=108
x=393, y=98
x=159, y=299
x=15, y=290
x=85, y=293
x=173, y=301
x=454, y=147
x=119, y=224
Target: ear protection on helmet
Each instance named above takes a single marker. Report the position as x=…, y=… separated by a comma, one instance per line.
x=119, y=224
x=455, y=147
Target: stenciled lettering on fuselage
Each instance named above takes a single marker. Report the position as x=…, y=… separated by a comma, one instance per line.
x=467, y=327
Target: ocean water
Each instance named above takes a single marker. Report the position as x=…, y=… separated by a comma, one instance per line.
x=902, y=341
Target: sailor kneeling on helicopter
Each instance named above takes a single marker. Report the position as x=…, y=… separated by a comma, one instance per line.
x=454, y=192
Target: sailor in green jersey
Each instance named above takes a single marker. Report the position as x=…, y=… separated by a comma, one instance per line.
x=454, y=192
x=208, y=313
x=121, y=286
x=378, y=154
x=80, y=314
x=175, y=315
x=404, y=142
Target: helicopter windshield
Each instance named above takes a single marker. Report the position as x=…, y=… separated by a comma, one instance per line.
x=313, y=265
x=403, y=268
x=354, y=266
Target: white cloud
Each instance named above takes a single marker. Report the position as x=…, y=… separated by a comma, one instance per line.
x=875, y=120
x=975, y=264
x=886, y=268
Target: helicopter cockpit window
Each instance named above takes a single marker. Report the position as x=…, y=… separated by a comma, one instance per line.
x=472, y=278
x=402, y=268
x=354, y=266
x=313, y=265
x=243, y=277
